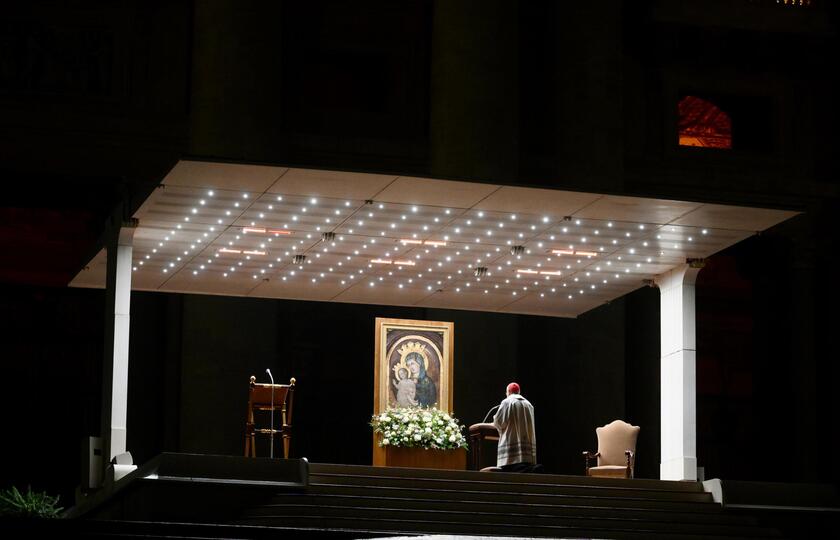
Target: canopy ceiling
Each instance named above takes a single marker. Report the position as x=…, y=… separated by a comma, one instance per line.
x=235, y=230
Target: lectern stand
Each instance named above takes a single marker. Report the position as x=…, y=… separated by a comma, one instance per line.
x=478, y=434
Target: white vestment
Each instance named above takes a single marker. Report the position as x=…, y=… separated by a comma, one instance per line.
x=517, y=436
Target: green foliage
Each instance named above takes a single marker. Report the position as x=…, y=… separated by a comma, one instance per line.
x=415, y=427
x=30, y=504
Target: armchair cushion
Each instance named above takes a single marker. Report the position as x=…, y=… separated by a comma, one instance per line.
x=609, y=470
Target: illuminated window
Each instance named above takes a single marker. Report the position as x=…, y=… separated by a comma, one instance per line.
x=702, y=123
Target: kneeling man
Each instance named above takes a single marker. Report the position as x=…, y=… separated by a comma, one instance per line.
x=517, y=437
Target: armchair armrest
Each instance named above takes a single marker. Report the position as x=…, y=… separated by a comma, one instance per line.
x=587, y=456
x=629, y=454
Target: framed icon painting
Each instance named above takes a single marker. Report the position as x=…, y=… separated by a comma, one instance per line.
x=412, y=365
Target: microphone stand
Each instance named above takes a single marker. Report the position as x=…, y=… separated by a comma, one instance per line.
x=272, y=411
x=488, y=414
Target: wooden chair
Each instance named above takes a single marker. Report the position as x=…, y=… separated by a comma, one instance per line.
x=616, y=453
x=260, y=399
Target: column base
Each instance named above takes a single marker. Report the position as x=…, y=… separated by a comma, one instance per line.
x=681, y=468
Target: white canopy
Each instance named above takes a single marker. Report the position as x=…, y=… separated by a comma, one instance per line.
x=237, y=229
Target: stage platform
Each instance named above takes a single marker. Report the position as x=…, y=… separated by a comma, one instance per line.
x=194, y=496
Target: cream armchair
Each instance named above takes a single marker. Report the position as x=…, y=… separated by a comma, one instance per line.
x=616, y=453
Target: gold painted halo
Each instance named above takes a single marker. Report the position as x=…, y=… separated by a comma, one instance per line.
x=413, y=347
x=398, y=366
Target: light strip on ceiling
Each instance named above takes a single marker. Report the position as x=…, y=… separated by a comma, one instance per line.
x=435, y=243
x=396, y=263
x=263, y=230
x=574, y=252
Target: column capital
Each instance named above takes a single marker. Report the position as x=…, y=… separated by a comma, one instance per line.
x=126, y=230
x=684, y=274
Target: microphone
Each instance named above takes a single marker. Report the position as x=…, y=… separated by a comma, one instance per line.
x=272, y=411
x=488, y=414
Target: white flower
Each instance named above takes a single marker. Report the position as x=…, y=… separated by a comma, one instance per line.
x=452, y=438
x=417, y=437
x=385, y=442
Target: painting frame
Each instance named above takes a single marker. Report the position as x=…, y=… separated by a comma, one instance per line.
x=402, y=343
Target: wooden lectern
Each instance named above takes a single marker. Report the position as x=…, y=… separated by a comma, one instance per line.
x=260, y=399
x=478, y=434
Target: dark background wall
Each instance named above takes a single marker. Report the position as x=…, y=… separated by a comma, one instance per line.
x=99, y=99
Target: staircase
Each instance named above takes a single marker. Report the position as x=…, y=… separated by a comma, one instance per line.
x=190, y=496
x=422, y=501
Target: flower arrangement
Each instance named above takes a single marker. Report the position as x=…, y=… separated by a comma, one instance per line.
x=417, y=427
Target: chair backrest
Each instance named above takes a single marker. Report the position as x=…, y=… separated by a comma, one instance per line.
x=260, y=399
x=613, y=440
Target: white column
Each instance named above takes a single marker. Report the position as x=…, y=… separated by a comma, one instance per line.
x=678, y=374
x=115, y=365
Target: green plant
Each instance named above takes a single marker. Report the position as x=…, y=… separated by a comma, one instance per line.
x=416, y=427
x=30, y=504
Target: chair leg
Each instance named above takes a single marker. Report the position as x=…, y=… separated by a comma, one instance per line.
x=286, y=441
x=247, y=444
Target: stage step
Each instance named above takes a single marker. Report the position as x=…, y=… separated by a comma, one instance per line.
x=444, y=494
x=500, y=519
x=487, y=485
x=637, y=483
x=554, y=508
